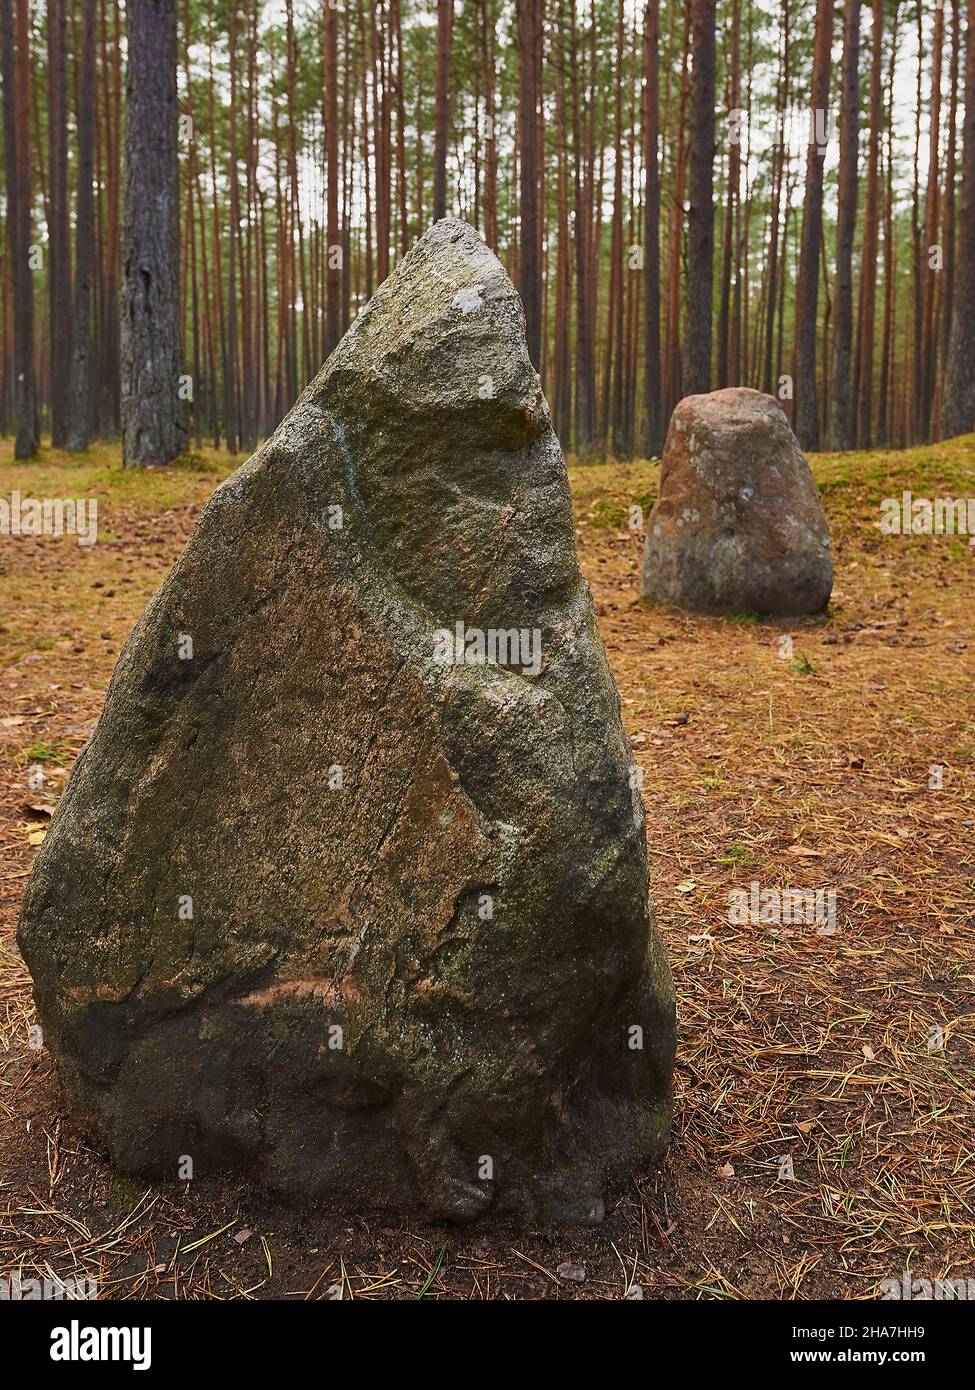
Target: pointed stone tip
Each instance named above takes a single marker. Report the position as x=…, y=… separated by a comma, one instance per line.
x=448, y=315
x=454, y=240
x=450, y=222
x=454, y=231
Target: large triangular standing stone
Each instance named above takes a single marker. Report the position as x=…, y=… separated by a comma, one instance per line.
x=343, y=895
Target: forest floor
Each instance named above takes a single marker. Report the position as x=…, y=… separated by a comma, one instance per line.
x=824, y=1136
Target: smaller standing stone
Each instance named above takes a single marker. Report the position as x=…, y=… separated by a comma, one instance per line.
x=738, y=526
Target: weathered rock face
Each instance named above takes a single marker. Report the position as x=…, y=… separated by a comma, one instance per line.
x=322, y=904
x=738, y=526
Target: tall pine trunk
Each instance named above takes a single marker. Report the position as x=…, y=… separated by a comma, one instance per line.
x=950, y=172
x=59, y=252
x=929, y=345
x=445, y=27
x=728, y=257
x=863, y=369
x=959, y=398
x=653, y=423
x=333, y=250
x=152, y=427
x=807, y=409
x=530, y=277
x=700, y=223
x=887, y=356
x=585, y=421
x=840, y=433
x=81, y=412
x=16, y=127
x=489, y=21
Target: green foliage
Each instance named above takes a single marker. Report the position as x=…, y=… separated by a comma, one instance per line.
x=802, y=666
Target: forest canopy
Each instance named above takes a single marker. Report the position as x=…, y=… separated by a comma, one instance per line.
x=687, y=195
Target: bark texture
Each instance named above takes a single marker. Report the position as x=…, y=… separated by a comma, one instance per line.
x=153, y=433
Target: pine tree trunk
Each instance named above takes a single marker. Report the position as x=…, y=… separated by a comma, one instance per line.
x=249, y=394
x=614, y=329
x=152, y=426
x=562, y=393
x=840, y=433
x=333, y=250
x=111, y=389
x=418, y=124
x=950, y=176
x=530, y=280
x=366, y=162
x=771, y=283
x=380, y=143
x=673, y=374
x=231, y=410
x=731, y=205
x=959, y=396
x=490, y=135
x=59, y=253
x=191, y=190
x=700, y=222
x=404, y=228
x=653, y=423
x=884, y=427
x=929, y=345
x=585, y=424
x=863, y=376
x=16, y=117
x=445, y=25
x=807, y=409
x=221, y=322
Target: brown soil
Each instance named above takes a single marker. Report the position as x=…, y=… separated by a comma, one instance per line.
x=849, y=1053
